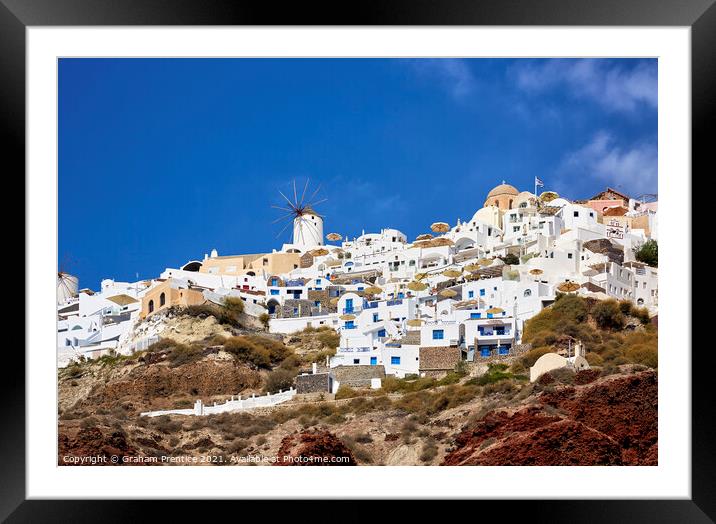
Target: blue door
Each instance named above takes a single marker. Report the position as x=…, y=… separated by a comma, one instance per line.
x=349, y=305
x=484, y=351
x=373, y=361
x=503, y=350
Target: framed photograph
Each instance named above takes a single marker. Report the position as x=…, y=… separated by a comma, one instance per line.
x=419, y=241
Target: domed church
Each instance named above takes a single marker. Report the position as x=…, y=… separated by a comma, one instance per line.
x=502, y=196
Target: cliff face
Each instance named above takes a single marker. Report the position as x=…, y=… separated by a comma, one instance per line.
x=609, y=422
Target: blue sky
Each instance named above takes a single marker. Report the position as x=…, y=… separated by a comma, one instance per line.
x=161, y=160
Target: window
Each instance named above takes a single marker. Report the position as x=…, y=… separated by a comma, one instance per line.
x=475, y=315
x=381, y=333
x=295, y=311
x=395, y=361
x=576, y=213
x=527, y=293
x=318, y=281
x=373, y=361
x=411, y=263
x=274, y=281
x=569, y=255
x=151, y=306
x=274, y=291
x=162, y=299
x=482, y=292
x=470, y=294
x=375, y=317
x=356, y=361
x=438, y=334
x=350, y=324
x=591, y=215
x=489, y=315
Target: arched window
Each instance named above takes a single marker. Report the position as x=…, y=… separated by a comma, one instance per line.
x=510, y=204
x=151, y=306
x=528, y=293
x=162, y=299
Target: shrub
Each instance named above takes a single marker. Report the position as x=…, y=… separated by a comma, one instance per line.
x=648, y=253
x=346, y=392
x=608, y=315
x=642, y=314
x=643, y=354
x=257, y=350
x=329, y=339
x=265, y=318
x=234, y=305
x=625, y=307
x=570, y=307
x=528, y=359
x=563, y=375
x=429, y=451
x=279, y=379
x=216, y=340
x=184, y=354
x=163, y=344
x=510, y=259
x=594, y=359
x=223, y=315
x=392, y=384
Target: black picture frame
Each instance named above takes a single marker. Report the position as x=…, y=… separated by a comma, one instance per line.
x=700, y=15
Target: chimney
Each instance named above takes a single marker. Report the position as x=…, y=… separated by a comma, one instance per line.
x=314, y=368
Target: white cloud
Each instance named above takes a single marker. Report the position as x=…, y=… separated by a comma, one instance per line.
x=632, y=169
x=610, y=84
x=452, y=73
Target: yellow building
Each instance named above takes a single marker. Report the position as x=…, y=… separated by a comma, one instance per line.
x=502, y=196
x=165, y=295
x=256, y=265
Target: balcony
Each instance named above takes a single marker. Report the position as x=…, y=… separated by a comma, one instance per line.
x=354, y=309
x=396, y=302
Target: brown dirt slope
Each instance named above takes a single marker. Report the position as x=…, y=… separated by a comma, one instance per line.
x=609, y=422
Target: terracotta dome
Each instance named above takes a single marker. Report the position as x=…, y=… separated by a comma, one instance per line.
x=503, y=189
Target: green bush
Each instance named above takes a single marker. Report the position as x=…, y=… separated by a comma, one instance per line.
x=510, y=259
x=607, y=314
x=391, y=384
x=570, y=307
x=648, y=253
x=494, y=373
x=265, y=318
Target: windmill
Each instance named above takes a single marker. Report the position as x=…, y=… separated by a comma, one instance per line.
x=67, y=284
x=301, y=213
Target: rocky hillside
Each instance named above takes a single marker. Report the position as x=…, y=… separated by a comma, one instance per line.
x=610, y=422
x=605, y=416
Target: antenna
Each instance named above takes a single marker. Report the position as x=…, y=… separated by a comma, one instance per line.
x=297, y=208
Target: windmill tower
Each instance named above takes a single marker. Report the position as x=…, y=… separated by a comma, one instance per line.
x=67, y=285
x=301, y=213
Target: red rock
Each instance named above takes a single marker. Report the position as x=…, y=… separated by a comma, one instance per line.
x=313, y=448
